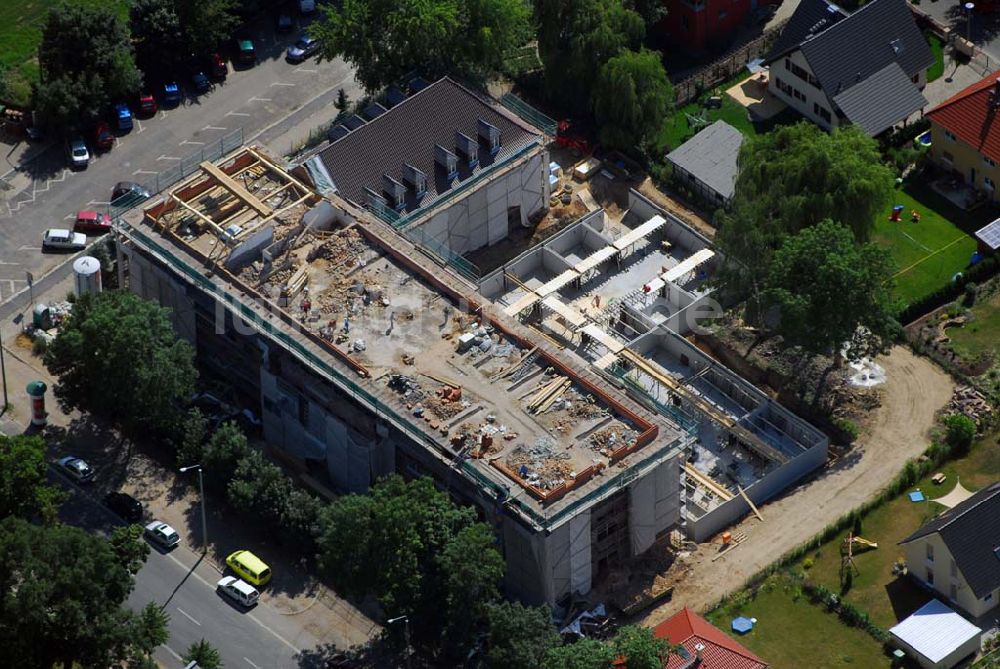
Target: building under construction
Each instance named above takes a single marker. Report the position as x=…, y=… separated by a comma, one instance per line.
x=544, y=394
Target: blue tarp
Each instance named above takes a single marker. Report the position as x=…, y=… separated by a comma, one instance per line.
x=916, y=496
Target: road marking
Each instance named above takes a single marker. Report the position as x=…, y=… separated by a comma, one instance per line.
x=273, y=633
x=247, y=659
x=144, y=172
x=173, y=652
x=117, y=142
x=281, y=83
x=256, y=99
x=167, y=158
x=163, y=114
x=236, y=114
x=66, y=217
x=213, y=127
x=305, y=70
x=139, y=123
x=190, y=141
x=188, y=616
x=30, y=248
x=2, y=262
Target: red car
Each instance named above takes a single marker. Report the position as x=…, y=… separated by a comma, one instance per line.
x=217, y=67
x=92, y=222
x=147, y=104
x=103, y=139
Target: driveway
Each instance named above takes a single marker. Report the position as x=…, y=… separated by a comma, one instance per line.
x=985, y=26
x=261, y=101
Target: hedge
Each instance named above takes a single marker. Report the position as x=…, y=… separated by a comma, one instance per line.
x=981, y=271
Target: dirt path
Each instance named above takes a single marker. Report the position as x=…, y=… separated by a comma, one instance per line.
x=661, y=199
x=916, y=389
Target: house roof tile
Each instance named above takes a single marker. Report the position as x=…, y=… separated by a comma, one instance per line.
x=973, y=116
x=719, y=651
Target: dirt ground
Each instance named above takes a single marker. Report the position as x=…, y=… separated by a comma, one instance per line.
x=699, y=221
x=897, y=431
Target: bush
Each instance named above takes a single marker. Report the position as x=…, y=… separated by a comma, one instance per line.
x=971, y=290
x=959, y=432
x=847, y=428
x=39, y=346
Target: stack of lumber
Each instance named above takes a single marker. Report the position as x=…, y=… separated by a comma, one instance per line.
x=548, y=394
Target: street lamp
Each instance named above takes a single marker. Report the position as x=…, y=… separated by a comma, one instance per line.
x=201, y=490
x=406, y=633
x=969, y=6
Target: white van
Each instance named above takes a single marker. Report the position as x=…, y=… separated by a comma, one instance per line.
x=238, y=590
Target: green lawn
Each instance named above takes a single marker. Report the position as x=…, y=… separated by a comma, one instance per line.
x=885, y=598
x=927, y=254
x=981, y=335
x=678, y=129
x=21, y=24
x=937, y=48
x=792, y=633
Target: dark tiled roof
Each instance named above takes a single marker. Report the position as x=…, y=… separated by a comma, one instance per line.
x=710, y=156
x=408, y=132
x=855, y=48
x=881, y=100
x=811, y=17
x=972, y=116
x=971, y=531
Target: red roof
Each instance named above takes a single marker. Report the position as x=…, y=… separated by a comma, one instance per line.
x=720, y=651
x=972, y=117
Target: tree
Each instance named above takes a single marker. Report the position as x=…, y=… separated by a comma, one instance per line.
x=85, y=50
x=341, y=104
x=203, y=653
x=192, y=438
x=223, y=452
x=23, y=489
x=472, y=569
x=792, y=178
x=519, y=636
x=583, y=654
x=960, y=431
x=632, y=96
x=260, y=486
x=149, y=630
x=206, y=24
x=407, y=539
x=59, y=610
x=576, y=38
x=830, y=292
x=387, y=39
x=126, y=541
x=117, y=356
x=640, y=648
x=157, y=35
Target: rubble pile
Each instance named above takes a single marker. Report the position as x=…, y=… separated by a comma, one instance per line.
x=969, y=402
x=610, y=439
x=540, y=465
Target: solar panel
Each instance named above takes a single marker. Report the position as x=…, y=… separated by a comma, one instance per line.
x=990, y=234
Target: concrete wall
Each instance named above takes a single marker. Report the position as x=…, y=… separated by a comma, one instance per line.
x=150, y=282
x=480, y=217
x=946, y=576
x=678, y=232
x=654, y=505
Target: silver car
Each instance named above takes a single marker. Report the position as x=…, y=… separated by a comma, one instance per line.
x=77, y=468
x=238, y=590
x=160, y=533
x=302, y=49
x=79, y=156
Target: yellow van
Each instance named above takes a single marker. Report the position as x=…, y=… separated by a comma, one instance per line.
x=249, y=567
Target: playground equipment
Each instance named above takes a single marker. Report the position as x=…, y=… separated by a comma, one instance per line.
x=897, y=211
x=861, y=544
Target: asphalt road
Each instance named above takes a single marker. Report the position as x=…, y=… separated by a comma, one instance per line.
x=261, y=101
x=184, y=585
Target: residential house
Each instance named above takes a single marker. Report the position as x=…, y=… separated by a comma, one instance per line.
x=696, y=26
x=867, y=68
x=706, y=163
x=957, y=554
x=965, y=134
x=703, y=645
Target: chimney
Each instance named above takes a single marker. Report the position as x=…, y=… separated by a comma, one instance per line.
x=467, y=147
x=489, y=134
x=395, y=191
x=416, y=179
x=447, y=160
x=698, y=649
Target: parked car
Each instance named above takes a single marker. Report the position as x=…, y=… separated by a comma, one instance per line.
x=246, y=53
x=123, y=188
x=126, y=506
x=123, y=117
x=162, y=534
x=79, y=156
x=283, y=22
x=305, y=46
x=63, y=240
x=238, y=590
x=250, y=567
x=147, y=104
x=200, y=82
x=103, y=139
x=93, y=222
x=307, y=6
x=171, y=94
x=217, y=67
x=77, y=468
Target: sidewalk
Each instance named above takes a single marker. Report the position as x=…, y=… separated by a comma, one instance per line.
x=15, y=157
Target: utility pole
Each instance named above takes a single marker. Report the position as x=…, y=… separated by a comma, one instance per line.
x=406, y=634
x=3, y=373
x=204, y=521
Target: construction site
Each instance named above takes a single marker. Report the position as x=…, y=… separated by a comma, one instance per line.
x=559, y=394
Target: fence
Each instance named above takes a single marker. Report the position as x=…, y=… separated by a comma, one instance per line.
x=185, y=167
x=529, y=113
x=727, y=66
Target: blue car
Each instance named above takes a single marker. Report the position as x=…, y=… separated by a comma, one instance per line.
x=200, y=82
x=171, y=94
x=123, y=117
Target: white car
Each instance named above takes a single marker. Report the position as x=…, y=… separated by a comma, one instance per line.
x=67, y=240
x=79, y=156
x=162, y=534
x=77, y=468
x=238, y=590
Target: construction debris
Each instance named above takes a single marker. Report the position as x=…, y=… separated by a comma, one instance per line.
x=611, y=438
x=969, y=402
